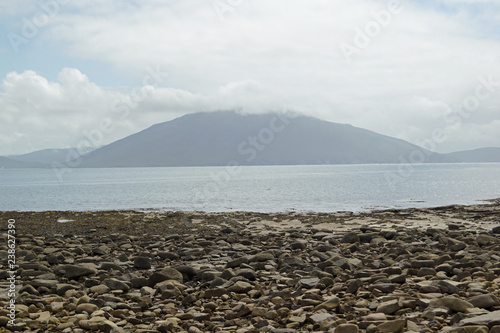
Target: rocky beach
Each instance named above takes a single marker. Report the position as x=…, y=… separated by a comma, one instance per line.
x=410, y=270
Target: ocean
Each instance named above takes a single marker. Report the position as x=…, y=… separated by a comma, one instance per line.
x=311, y=188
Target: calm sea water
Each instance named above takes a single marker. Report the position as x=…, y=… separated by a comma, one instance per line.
x=262, y=188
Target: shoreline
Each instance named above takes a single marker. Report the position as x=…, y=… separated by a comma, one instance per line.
x=127, y=221
x=398, y=270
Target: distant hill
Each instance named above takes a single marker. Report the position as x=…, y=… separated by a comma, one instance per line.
x=216, y=138
x=7, y=163
x=490, y=154
x=47, y=156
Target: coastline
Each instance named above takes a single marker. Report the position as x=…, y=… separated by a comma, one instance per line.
x=418, y=270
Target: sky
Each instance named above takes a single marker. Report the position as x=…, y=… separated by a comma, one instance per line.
x=96, y=71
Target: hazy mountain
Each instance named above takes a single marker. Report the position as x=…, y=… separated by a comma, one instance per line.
x=217, y=138
x=7, y=163
x=47, y=156
x=490, y=154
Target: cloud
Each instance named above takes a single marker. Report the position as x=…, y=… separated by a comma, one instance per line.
x=264, y=55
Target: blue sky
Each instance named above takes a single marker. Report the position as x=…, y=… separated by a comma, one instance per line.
x=404, y=80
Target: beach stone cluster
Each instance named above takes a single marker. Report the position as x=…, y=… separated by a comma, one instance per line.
x=243, y=272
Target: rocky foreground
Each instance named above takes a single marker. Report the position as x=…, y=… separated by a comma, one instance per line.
x=413, y=270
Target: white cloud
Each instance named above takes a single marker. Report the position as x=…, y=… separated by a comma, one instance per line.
x=263, y=55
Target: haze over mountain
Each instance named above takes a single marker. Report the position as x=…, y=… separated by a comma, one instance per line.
x=46, y=156
x=219, y=138
x=7, y=163
x=489, y=154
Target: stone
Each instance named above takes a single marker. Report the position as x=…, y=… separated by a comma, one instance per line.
x=87, y=307
x=237, y=262
x=496, y=230
x=262, y=256
x=446, y=287
x=389, y=307
x=320, y=317
x=247, y=274
x=300, y=244
x=168, y=273
x=484, y=240
x=490, y=319
x=346, y=328
x=353, y=286
x=240, y=287
x=115, y=284
x=453, y=303
x=350, y=238
x=99, y=289
x=309, y=282
x=73, y=272
x=142, y=263
x=484, y=301
x=329, y=304
x=392, y=326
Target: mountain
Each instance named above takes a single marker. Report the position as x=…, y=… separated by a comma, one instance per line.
x=47, y=156
x=7, y=163
x=490, y=154
x=217, y=138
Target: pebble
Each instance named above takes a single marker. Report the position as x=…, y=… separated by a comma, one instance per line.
x=283, y=272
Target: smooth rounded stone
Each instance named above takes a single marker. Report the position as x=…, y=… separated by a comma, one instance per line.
x=426, y=271
x=76, y=271
x=484, y=240
x=168, y=273
x=218, y=281
x=453, y=303
x=87, y=307
x=384, y=287
x=262, y=256
x=377, y=316
x=247, y=274
x=240, y=287
x=99, y=289
x=392, y=326
x=347, y=328
x=350, y=238
x=142, y=263
x=237, y=262
x=115, y=284
x=168, y=255
x=389, y=307
x=447, y=268
x=496, y=230
x=56, y=307
x=329, y=304
x=271, y=315
x=422, y=263
x=299, y=244
x=4, y=320
x=484, y=301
